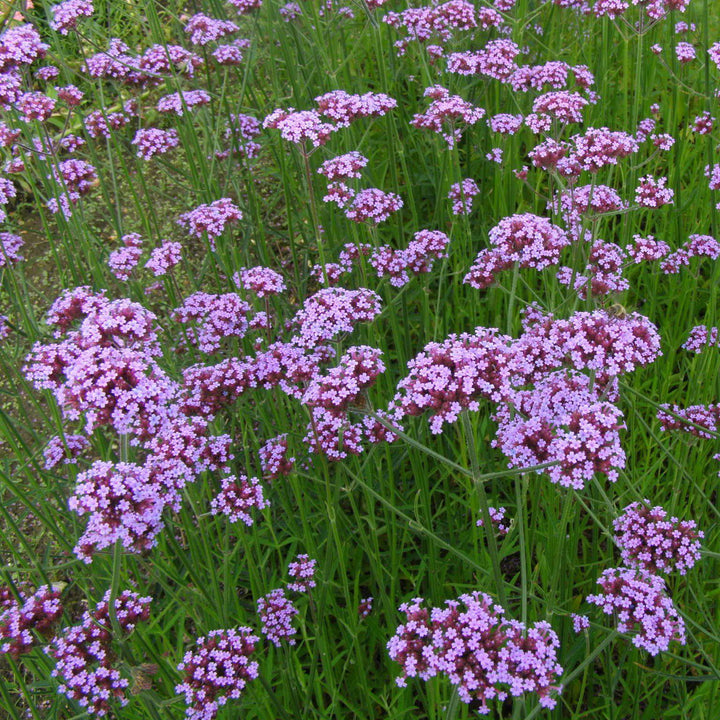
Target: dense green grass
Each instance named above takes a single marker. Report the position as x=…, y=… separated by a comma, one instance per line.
x=398, y=521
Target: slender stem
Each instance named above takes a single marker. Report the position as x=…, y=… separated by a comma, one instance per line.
x=314, y=215
x=567, y=679
x=484, y=507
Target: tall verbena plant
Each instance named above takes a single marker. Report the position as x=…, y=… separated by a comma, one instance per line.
x=359, y=359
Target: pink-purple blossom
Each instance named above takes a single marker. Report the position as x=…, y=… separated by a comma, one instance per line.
x=651, y=540
x=641, y=606
x=216, y=670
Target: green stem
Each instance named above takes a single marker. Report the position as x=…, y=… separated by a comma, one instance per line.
x=484, y=507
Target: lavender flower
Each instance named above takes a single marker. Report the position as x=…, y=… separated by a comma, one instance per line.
x=276, y=614
x=261, y=281
x=237, y=497
x=10, y=246
x=164, y=258
x=446, y=113
x=343, y=108
x=84, y=658
x=373, y=206
x=639, y=602
x=300, y=127
x=211, y=219
x=180, y=101
x=274, y=459
x=215, y=316
x=333, y=311
x=462, y=195
x=203, y=29
x=153, y=141
x=37, y=612
x=66, y=14
x=485, y=656
x=580, y=623
x=701, y=338
x=124, y=504
x=652, y=541
x=216, y=671
x=302, y=570
x=64, y=450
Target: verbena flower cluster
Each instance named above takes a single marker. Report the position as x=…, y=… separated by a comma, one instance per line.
x=217, y=670
x=483, y=654
x=84, y=657
x=21, y=619
x=641, y=605
x=650, y=540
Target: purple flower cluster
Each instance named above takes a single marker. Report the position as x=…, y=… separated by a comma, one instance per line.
x=562, y=421
x=261, y=281
x=125, y=259
x=563, y=106
x=567, y=419
x=497, y=518
x=185, y=100
x=591, y=151
x=276, y=614
x=640, y=604
x=696, y=246
x=365, y=607
x=603, y=273
x=105, y=370
x=419, y=257
x=210, y=218
x=20, y=45
x=344, y=166
x=10, y=246
x=529, y=240
x=701, y=338
x=84, y=657
x=237, y=497
x=34, y=613
x=153, y=141
x=373, y=206
x=215, y=317
x=300, y=127
x=239, y=134
x=100, y=124
x=302, y=570
x=437, y=21
x=699, y=420
x=344, y=108
x=652, y=541
x=67, y=13
x=124, y=504
x=64, y=450
x=580, y=623
x=462, y=195
x=496, y=60
x=647, y=249
x=330, y=396
x=652, y=193
x=203, y=29
x=333, y=311
x=579, y=203
x=35, y=106
x=447, y=114
x=164, y=258
x=452, y=376
x=217, y=670
x=274, y=459
x=485, y=656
